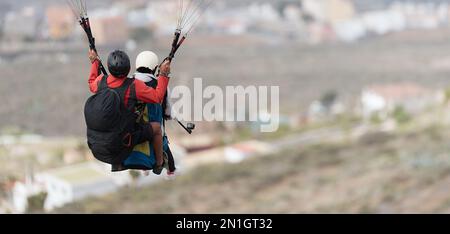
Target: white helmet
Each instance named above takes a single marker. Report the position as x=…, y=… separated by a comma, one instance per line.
x=147, y=59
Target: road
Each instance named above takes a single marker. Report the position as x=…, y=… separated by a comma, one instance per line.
x=217, y=155
x=305, y=138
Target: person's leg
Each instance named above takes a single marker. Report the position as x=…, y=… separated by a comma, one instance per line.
x=151, y=132
x=157, y=143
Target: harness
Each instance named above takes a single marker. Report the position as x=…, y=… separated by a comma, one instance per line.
x=128, y=84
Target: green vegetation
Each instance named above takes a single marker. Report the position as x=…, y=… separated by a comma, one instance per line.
x=282, y=131
x=401, y=116
x=328, y=99
x=36, y=203
x=375, y=119
x=447, y=95
x=12, y=130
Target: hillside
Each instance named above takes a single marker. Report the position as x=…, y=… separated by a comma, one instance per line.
x=405, y=173
x=48, y=93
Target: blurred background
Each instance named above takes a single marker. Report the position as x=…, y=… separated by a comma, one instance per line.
x=365, y=106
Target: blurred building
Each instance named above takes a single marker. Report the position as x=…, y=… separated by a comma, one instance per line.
x=329, y=11
x=60, y=22
x=239, y=152
x=423, y=14
x=198, y=142
x=384, y=99
x=163, y=16
x=318, y=111
x=110, y=30
x=4, y=8
x=21, y=25
x=384, y=21
x=73, y=183
x=22, y=191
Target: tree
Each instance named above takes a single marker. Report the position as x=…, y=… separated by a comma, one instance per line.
x=400, y=115
x=36, y=203
x=328, y=99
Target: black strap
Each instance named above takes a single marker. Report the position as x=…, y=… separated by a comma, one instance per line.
x=153, y=83
x=124, y=87
x=132, y=100
x=128, y=84
x=164, y=105
x=103, y=83
x=171, y=159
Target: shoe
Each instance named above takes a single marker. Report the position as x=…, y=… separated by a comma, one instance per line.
x=158, y=170
x=170, y=176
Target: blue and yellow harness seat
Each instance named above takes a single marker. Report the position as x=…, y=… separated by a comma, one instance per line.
x=143, y=155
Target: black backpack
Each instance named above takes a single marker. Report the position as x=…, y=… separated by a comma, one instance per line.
x=110, y=124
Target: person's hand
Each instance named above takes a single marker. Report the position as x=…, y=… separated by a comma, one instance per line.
x=165, y=68
x=93, y=56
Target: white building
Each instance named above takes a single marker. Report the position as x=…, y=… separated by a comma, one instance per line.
x=350, y=30
x=423, y=15
x=384, y=99
x=384, y=21
x=239, y=152
x=21, y=192
x=72, y=183
x=317, y=111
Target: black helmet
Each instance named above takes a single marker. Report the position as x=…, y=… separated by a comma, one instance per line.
x=119, y=64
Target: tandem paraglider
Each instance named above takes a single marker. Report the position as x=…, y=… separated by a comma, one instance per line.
x=126, y=115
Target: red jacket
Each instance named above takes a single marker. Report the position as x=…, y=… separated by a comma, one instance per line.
x=143, y=92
